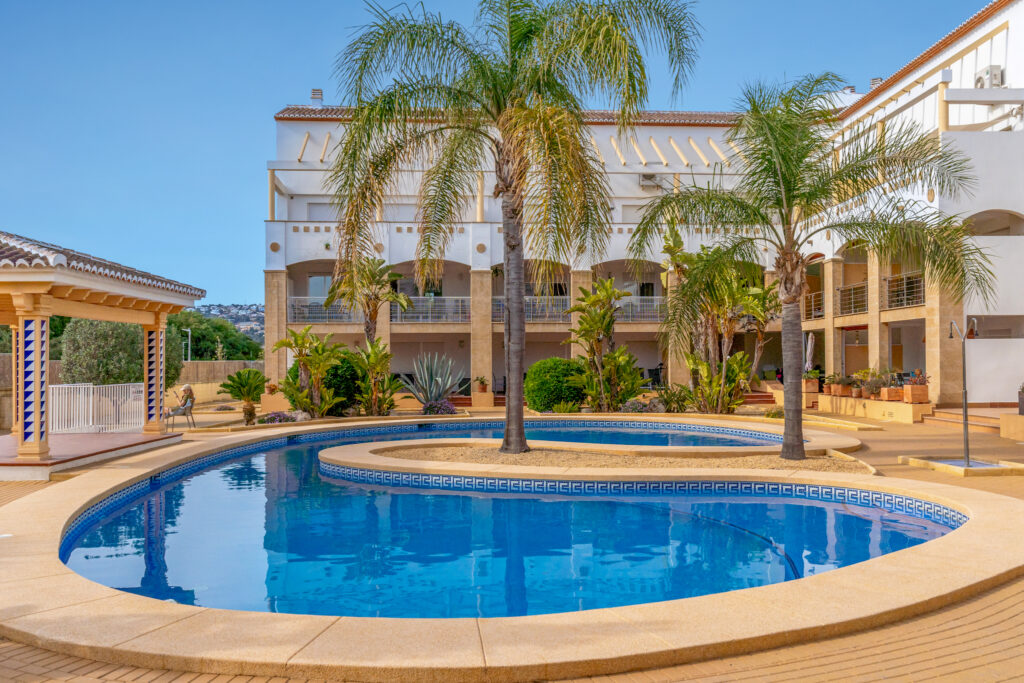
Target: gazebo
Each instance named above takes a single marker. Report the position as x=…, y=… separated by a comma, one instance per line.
x=39, y=280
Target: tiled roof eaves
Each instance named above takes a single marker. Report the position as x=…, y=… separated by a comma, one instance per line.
x=973, y=22
x=647, y=118
x=22, y=252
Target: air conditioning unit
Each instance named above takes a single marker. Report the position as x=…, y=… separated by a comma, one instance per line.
x=989, y=77
x=649, y=180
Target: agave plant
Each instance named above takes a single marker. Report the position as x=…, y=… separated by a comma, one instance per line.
x=433, y=378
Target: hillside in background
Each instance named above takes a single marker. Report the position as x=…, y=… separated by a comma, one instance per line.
x=248, y=318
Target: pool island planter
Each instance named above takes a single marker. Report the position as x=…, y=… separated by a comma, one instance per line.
x=46, y=604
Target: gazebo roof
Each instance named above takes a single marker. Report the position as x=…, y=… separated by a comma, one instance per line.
x=23, y=252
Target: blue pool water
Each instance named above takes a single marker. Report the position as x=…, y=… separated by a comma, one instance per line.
x=266, y=532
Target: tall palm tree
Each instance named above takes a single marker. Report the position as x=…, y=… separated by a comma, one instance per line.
x=301, y=343
x=801, y=178
x=367, y=285
x=507, y=91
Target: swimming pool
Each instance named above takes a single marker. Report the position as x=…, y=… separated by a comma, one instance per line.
x=264, y=530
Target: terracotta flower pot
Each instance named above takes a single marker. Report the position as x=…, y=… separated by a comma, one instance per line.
x=810, y=386
x=844, y=390
x=827, y=389
x=915, y=393
x=481, y=388
x=856, y=392
x=874, y=397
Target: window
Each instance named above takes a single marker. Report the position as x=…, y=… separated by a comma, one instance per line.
x=646, y=289
x=318, y=285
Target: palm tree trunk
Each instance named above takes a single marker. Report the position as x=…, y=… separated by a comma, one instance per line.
x=792, y=355
x=758, y=352
x=370, y=328
x=515, y=325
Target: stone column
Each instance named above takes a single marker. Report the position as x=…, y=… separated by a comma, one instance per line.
x=30, y=347
x=676, y=370
x=275, y=322
x=154, y=362
x=832, y=277
x=878, y=333
x=578, y=279
x=943, y=360
x=480, y=336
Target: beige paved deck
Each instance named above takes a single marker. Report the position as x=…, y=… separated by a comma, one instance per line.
x=980, y=639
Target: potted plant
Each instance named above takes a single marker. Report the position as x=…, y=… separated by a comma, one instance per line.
x=830, y=384
x=811, y=381
x=481, y=384
x=893, y=389
x=915, y=389
x=856, y=390
x=873, y=387
x=844, y=386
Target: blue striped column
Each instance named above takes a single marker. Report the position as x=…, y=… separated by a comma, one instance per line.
x=154, y=341
x=30, y=348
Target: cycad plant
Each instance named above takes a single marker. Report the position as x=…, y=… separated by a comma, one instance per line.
x=507, y=93
x=369, y=286
x=433, y=378
x=247, y=385
x=801, y=178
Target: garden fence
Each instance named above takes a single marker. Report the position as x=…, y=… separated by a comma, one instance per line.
x=80, y=408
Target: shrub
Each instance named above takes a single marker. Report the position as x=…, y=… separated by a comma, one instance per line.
x=776, y=413
x=276, y=418
x=633, y=405
x=565, y=407
x=674, y=398
x=246, y=385
x=343, y=381
x=121, y=359
x=442, y=407
x=433, y=378
x=655, y=405
x=547, y=383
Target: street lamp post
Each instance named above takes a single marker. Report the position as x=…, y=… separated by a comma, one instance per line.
x=972, y=325
x=189, y=354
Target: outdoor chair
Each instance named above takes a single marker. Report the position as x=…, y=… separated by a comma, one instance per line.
x=190, y=421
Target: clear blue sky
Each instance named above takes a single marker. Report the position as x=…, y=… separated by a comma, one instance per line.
x=140, y=131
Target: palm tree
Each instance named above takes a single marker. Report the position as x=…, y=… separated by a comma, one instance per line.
x=247, y=385
x=507, y=91
x=802, y=178
x=762, y=307
x=368, y=286
x=301, y=343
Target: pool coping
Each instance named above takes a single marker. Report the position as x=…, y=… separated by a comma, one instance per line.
x=44, y=603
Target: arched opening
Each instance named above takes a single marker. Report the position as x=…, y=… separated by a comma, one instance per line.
x=996, y=223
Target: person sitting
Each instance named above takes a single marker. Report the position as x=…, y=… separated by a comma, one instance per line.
x=188, y=398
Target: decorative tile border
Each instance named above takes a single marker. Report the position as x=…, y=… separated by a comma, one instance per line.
x=892, y=502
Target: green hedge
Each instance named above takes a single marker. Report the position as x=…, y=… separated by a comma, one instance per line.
x=547, y=383
x=342, y=378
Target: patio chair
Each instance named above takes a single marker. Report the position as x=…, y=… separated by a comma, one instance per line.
x=189, y=419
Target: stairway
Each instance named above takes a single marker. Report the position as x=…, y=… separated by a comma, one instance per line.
x=953, y=418
x=758, y=398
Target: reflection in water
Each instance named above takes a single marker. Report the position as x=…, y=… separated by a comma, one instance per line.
x=265, y=532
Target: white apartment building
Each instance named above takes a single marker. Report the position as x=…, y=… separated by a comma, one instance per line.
x=967, y=88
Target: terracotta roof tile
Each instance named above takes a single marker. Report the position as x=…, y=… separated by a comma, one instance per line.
x=297, y=112
x=22, y=252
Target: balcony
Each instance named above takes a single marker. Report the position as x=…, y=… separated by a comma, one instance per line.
x=905, y=290
x=433, y=309
x=641, y=309
x=813, y=306
x=311, y=310
x=539, y=309
x=852, y=299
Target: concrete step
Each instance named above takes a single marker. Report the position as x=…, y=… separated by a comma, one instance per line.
x=957, y=423
x=956, y=414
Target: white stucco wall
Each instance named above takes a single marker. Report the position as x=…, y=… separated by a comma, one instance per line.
x=994, y=370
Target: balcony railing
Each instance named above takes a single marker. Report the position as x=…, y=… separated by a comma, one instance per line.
x=814, y=306
x=904, y=290
x=539, y=309
x=433, y=309
x=310, y=309
x=641, y=309
x=852, y=299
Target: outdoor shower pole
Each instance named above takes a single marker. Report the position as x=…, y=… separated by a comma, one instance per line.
x=973, y=324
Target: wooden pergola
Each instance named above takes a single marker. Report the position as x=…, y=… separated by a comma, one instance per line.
x=39, y=280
